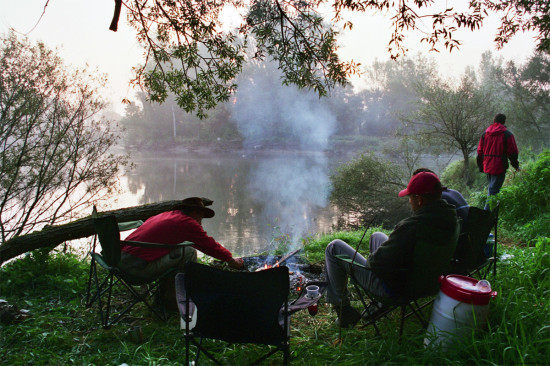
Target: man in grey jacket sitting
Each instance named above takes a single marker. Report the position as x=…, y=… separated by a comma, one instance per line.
x=390, y=257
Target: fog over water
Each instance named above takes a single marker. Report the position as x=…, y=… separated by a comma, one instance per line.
x=260, y=193
x=283, y=185
x=257, y=197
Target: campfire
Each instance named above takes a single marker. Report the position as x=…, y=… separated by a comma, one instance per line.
x=300, y=272
x=267, y=266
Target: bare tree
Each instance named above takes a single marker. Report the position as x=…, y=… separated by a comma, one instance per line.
x=54, y=147
x=452, y=118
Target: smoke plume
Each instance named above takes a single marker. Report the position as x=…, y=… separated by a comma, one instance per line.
x=294, y=182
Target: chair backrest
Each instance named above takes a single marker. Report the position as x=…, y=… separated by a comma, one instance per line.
x=470, y=253
x=238, y=307
x=432, y=256
x=108, y=234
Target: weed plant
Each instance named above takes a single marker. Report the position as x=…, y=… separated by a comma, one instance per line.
x=62, y=331
x=525, y=202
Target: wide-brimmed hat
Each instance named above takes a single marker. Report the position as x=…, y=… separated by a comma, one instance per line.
x=422, y=183
x=198, y=203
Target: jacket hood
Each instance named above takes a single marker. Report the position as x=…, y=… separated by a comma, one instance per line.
x=495, y=129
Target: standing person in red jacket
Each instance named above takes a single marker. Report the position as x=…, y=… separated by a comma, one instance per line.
x=173, y=227
x=496, y=146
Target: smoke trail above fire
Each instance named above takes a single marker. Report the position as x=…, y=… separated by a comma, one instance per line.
x=296, y=181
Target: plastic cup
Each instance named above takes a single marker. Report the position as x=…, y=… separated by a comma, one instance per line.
x=312, y=291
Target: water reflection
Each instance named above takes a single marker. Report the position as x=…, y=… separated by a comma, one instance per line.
x=256, y=197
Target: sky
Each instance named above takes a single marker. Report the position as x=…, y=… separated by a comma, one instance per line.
x=79, y=30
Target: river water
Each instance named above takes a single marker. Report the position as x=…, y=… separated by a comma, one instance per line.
x=260, y=199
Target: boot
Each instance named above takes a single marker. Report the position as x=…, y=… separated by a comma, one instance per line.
x=347, y=316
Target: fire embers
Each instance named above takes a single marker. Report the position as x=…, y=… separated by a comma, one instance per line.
x=297, y=282
x=267, y=266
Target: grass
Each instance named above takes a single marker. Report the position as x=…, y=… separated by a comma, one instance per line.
x=62, y=331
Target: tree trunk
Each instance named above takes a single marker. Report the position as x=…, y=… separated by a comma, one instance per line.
x=52, y=236
x=466, y=173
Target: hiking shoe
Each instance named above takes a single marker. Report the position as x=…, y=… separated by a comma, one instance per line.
x=374, y=310
x=347, y=316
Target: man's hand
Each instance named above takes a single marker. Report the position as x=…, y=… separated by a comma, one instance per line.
x=236, y=263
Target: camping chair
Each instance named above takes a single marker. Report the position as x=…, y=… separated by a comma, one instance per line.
x=122, y=226
x=141, y=289
x=471, y=255
x=431, y=258
x=237, y=307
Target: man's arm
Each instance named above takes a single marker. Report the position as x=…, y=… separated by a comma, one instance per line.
x=236, y=263
x=479, y=158
x=396, y=252
x=512, y=149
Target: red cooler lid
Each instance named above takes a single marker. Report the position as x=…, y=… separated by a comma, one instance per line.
x=466, y=289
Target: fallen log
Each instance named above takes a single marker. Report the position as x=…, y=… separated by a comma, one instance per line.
x=52, y=236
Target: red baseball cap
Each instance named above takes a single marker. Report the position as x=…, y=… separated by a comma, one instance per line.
x=422, y=183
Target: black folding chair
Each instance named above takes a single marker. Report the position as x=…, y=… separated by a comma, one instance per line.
x=140, y=289
x=432, y=258
x=471, y=256
x=122, y=226
x=237, y=307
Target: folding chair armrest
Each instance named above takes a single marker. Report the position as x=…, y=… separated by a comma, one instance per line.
x=129, y=225
x=345, y=258
x=155, y=245
x=99, y=259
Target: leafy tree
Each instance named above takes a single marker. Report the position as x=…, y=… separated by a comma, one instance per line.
x=54, y=155
x=367, y=187
x=525, y=95
x=196, y=56
x=452, y=117
x=148, y=124
x=393, y=92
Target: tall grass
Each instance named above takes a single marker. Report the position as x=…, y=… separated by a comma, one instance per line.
x=61, y=331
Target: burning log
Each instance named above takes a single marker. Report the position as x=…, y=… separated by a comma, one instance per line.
x=300, y=271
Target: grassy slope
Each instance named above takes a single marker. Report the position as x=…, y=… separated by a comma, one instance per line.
x=61, y=331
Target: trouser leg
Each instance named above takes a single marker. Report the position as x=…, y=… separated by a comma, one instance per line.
x=337, y=271
x=376, y=239
x=495, y=184
x=175, y=259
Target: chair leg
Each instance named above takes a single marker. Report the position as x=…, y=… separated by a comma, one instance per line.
x=495, y=258
x=286, y=354
x=416, y=310
x=89, y=287
x=402, y=321
x=105, y=321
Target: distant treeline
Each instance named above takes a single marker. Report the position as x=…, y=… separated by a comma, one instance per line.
x=407, y=97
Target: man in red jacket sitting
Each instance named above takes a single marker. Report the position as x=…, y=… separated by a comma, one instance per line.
x=173, y=227
x=496, y=146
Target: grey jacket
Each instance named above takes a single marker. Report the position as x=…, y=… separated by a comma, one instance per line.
x=394, y=257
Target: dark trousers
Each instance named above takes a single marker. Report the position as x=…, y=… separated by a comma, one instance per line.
x=337, y=271
x=495, y=183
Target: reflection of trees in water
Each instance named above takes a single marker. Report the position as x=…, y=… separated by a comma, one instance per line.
x=245, y=221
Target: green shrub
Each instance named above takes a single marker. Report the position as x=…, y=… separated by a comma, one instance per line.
x=525, y=201
x=367, y=186
x=452, y=177
x=59, y=272
x=314, y=250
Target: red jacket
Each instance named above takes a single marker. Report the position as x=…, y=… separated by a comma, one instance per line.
x=173, y=227
x=495, y=147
